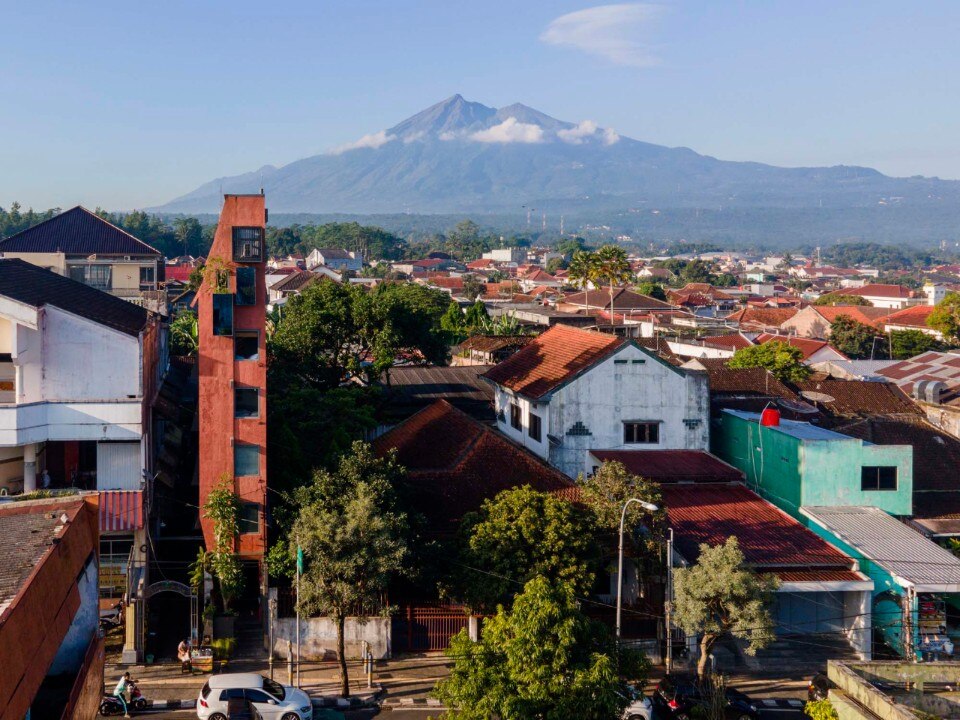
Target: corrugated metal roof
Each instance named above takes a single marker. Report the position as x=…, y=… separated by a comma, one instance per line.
x=672, y=465
x=800, y=430
x=899, y=550
x=121, y=510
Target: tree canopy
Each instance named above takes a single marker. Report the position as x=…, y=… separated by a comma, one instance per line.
x=519, y=534
x=720, y=596
x=781, y=359
x=946, y=317
x=652, y=289
x=841, y=299
x=542, y=658
x=857, y=340
x=608, y=489
x=905, y=344
x=373, y=243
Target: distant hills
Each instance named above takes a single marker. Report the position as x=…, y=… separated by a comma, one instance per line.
x=460, y=157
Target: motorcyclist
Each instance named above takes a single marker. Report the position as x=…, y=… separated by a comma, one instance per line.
x=123, y=691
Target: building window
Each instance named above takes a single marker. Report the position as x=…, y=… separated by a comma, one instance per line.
x=246, y=402
x=246, y=345
x=96, y=276
x=223, y=314
x=148, y=277
x=533, y=427
x=878, y=477
x=641, y=432
x=248, y=244
x=246, y=460
x=250, y=518
x=516, y=421
x=246, y=286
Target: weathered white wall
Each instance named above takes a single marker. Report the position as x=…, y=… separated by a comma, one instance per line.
x=6, y=336
x=318, y=637
x=606, y=396
x=696, y=350
x=83, y=360
x=52, y=261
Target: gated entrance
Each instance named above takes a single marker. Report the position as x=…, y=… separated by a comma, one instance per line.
x=425, y=628
x=185, y=591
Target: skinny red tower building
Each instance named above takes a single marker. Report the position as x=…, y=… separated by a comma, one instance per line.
x=233, y=370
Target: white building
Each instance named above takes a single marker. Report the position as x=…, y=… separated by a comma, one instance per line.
x=571, y=391
x=335, y=259
x=79, y=370
x=506, y=255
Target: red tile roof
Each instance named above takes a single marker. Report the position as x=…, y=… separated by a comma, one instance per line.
x=915, y=316
x=865, y=315
x=855, y=398
x=553, y=358
x=768, y=537
x=177, y=272
x=735, y=341
x=761, y=317
x=820, y=576
x=454, y=463
x=540, y=275
x=672, y=465
x=877, y=290
x=623, y=299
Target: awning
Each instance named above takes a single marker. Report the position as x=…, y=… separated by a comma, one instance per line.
x=121, y=510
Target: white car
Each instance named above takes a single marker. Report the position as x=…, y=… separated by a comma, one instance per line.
x=640, y=707
x=272, y=700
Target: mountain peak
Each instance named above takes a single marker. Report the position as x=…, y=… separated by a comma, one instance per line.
x=525, y=114
x=450, y=115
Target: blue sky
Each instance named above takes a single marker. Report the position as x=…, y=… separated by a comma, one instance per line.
x=127, y=104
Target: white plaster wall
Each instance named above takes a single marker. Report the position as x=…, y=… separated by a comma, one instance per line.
x=522, y=437
x=6, y=335
x=27, y=356
x=83, y=360
x=318, y=637
x=689, y=349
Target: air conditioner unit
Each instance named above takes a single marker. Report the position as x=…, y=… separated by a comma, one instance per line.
x=127, y=258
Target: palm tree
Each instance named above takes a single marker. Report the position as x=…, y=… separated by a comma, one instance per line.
x=611, y=264
x=583, y=268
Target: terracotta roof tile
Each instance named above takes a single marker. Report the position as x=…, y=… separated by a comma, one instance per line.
x=553, y=358
x=915, y=316
x=877, y=290
x=768, y=537
x=862, y=314
x=623, y=299
x=764, y=317
x=454, y=463
x=736, y=341
x=491, y=343
x=753, y=381
x=808, y=346
x=856, y=398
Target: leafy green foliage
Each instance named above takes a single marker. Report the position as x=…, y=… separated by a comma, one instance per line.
x=605, y=493
x=946, y=317
x=697, y=271
x=569, y=246
x=222, y=507
x=473, y=287
x=518, y=535
x=183, y=333
x=476, y=315
x=555, y=264
x=720, y=596
x=781, y=359
x=354, y=539
x=503, y=324
x=188, y=233
x=857, y=340
x=373, y=243
x=652, y=289
x=820, y=710
x=840, y=299
x=331, y=332
x=453, y=322
x=906, y=344
x=540, y=659
x=13, y=220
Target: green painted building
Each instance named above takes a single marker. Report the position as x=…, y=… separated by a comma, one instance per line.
x=797, y=464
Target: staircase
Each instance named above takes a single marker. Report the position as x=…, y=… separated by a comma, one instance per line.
x=249, y=634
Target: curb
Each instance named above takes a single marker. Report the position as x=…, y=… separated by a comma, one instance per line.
x=171, y=704
x=413, y=702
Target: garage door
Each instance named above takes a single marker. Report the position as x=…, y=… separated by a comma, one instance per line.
x=118, y=466
x=801, y=613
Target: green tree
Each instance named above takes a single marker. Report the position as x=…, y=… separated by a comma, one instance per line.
x=354, y=540
x=945, y=317
x=465, y=233
x=453, y=321
x=613, y=267
x=781, y=359
x=519, y=534
x=720, y=596
x=840, y=299
x=189, y=234
x=476, y=316
x=906, y=344
x=857, y=340
x=608, y=489
x=222, y=507
x=569, y=246
x=183, y=333
x=473, y=287
x=542, y=658
x=583, y=269
x=820, y=710
x=555, y=264
x=697, y=271
x=502, y=324
x=652, y=289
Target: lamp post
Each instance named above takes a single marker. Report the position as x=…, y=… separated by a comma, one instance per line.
x=649, y=507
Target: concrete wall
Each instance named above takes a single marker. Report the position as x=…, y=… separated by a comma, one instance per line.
x=84, y=626
x=807, y=323
x=318, y=637
x=630, y=385
x=52, y=261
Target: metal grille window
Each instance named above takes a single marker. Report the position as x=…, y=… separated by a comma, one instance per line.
x=878, y=477
x=641, y=433
x=248, y=244
x=223, y=314
x=246, y=460
x=533, y=429
x=246, y=286
x=516, y=419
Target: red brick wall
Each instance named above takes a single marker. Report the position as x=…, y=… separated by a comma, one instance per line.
x=219, y=374
x=35, y=623
x=87, y=690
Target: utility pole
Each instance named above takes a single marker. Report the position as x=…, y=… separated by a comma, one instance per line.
x=649, y=507
x=299, y=572
x=668, y=605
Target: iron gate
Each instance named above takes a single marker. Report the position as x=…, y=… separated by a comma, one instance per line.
x=426, y=628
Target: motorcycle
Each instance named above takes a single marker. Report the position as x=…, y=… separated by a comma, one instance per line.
x=111, y=705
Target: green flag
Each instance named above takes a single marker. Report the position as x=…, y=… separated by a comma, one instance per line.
x=300, y=560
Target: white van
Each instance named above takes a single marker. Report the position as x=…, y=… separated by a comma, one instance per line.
x=271, y=700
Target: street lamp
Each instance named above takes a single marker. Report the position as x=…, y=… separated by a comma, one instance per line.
x=649, y=507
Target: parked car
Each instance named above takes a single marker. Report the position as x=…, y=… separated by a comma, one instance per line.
x=272, y=701
x=678, y=697
x=640, y=707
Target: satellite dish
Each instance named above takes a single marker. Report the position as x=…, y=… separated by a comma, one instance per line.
x=796, y=406
x=817, y=396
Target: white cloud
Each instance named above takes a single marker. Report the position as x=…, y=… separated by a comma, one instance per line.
x=448, y=135
x=510, y=131
x=413, y=137
x=577, y=134
x=612, y=32
x=610, y=136
x=373, y=140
